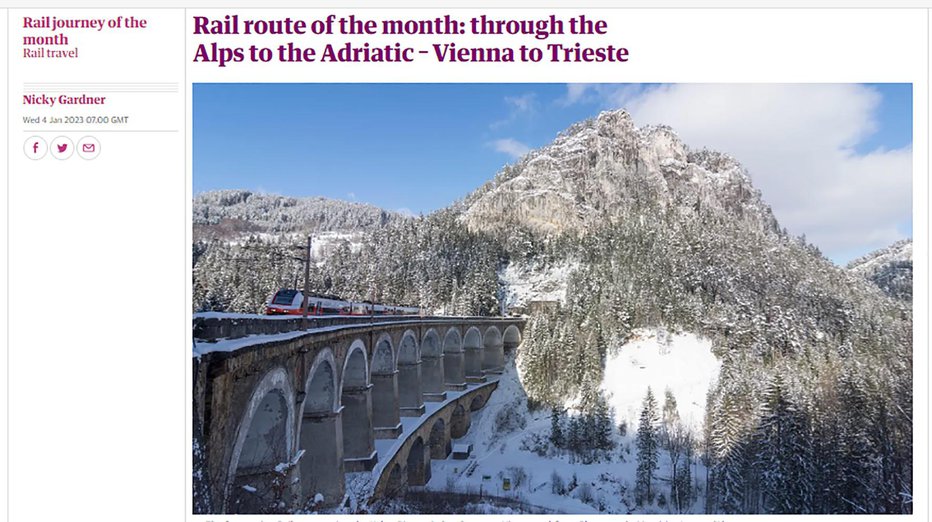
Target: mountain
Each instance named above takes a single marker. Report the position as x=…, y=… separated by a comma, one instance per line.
x=608, y=169
x=890, y=268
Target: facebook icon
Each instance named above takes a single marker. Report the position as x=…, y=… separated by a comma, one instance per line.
x=35, y=148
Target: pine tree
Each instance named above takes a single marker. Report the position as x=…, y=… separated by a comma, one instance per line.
x=648, y=449
x=784, y=453
x=604, y=422
x=674, y=438
x=556, y=427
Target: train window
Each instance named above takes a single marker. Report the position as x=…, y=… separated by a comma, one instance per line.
x=284, y=297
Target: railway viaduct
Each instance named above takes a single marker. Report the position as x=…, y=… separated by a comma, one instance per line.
x=281, y=418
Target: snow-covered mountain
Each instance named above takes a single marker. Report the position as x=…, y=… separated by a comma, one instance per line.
x=608, y=169
x=244, y=211
x=889, y=268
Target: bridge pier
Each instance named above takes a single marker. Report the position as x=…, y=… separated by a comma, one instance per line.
x=358, y=437
x=386, y=417
x=473, y=365
x=432, y=371
x=493, y=355
x=409, y=383
x=321, y=467
x=454, y=375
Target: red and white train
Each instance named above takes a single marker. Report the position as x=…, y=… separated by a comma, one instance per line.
x=288, y=301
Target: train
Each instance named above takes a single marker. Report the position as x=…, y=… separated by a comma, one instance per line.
x=288, y=301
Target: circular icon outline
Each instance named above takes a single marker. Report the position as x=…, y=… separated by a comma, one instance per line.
x=35, y=141
x=69, y=150
x=83, y=142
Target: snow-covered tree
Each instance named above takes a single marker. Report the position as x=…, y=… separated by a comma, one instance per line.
x=648, y=449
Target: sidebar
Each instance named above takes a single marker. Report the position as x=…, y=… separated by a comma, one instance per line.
x=96, y=192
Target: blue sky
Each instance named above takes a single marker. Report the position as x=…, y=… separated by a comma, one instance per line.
x=416, y=146
x=421, y=146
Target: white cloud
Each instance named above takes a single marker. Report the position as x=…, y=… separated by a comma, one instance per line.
x=405, y=211
x=524, y=105
x=576, y=92
x=511, y=147
x=797, y=142
x=351, y=196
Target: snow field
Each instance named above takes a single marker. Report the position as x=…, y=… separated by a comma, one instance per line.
x=683, y=363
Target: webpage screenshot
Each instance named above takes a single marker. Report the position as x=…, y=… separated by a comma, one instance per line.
x=450, y=263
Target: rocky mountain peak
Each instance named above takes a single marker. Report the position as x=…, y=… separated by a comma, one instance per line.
x=606, y=168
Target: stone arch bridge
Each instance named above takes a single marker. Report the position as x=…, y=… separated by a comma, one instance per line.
x=279, y=419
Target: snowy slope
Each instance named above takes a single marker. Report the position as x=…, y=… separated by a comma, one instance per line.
x=496, y=453
x=683, y=363
x=868, y=265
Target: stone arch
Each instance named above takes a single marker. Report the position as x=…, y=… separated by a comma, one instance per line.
x=432, y=364
x=453, y=360
x=493, y=351
x=472, y=349
x=264, y=438
x=321, y=466
x=356, y=399
x=459, y=422
x=408, y=349
x=410, y=397
x=418, y=463
x=386, y=420
x=511, y=338
x=478, y=402
x=396, y=482
x=383, y=356
x=356, y=366
x=320, y=388
x=439, y=440
x=430, y=344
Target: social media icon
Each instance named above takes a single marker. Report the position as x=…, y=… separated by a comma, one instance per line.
x=88, y=147
x=62, y=148
x=35, y=148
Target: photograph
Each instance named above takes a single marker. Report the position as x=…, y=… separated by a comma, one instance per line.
x=552, y=298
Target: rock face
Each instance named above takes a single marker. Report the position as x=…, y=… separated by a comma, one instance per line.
x=889, y=268
x=605, y=169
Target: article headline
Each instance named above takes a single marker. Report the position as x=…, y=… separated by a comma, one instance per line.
x=539, y=46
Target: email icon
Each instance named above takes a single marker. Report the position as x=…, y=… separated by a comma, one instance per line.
x=88, y=147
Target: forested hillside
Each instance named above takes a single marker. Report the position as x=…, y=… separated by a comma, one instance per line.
x=891, y=269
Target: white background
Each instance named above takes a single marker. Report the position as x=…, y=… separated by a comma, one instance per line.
x=99, y=252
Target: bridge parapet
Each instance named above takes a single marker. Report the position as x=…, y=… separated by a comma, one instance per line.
x=212, y=326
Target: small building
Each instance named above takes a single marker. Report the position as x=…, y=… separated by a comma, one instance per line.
x=462, y=451
x=543, y=306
